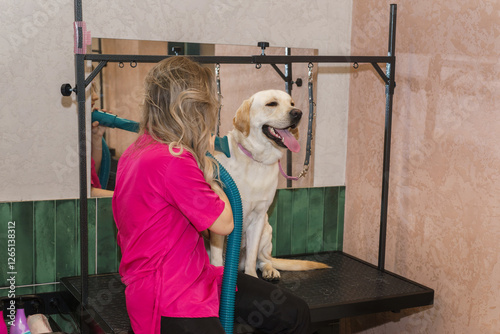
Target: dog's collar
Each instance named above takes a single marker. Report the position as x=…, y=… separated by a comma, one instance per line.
x=247, y=152
x=250, y=155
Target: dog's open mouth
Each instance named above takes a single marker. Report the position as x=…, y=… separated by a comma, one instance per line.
x=282, y=137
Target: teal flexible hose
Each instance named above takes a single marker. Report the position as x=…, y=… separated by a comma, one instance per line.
x=232, y=259
x=113, y=121
x=105, y=168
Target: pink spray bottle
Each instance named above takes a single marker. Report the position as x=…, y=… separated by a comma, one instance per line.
x=20, y=325
x=3, y=326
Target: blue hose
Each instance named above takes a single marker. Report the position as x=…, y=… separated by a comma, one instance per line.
x=113, y=121
x=105, y=168
x=231, y=264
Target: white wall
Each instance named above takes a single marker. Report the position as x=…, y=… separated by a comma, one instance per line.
x=38, y=127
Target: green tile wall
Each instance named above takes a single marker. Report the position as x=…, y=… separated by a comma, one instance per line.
x=304, y=220
x=307, y=220
x=47, y=242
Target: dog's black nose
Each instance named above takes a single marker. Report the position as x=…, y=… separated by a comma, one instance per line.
x=295, y=114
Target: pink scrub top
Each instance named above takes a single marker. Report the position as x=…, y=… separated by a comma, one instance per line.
x=161, y=203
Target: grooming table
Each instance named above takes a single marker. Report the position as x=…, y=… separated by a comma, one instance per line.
x=351, y=287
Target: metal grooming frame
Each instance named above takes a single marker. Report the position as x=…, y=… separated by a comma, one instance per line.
x=288, y=60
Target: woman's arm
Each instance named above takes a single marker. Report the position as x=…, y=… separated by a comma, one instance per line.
x=96, y=145
x=98, y=192
x=224, y=224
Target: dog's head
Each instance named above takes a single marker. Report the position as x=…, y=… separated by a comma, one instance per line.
x=269, y=117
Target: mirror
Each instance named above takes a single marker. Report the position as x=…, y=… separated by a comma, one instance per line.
x=120, y=89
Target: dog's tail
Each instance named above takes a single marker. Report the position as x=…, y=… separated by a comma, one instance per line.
x=297, y=265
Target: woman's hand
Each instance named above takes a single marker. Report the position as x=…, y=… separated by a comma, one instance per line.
x=96, y=144
x=98, y=130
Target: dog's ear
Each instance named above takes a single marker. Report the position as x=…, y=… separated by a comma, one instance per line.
x=241, y=121
x=295, y=133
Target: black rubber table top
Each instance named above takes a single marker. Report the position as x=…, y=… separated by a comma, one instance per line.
x=350, y=288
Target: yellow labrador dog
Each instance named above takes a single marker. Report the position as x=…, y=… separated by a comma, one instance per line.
x=264, y=125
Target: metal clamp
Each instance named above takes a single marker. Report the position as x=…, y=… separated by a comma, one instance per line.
x=304, y=171
x=263, y=46
x=310, y=73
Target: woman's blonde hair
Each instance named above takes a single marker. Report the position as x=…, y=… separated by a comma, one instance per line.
x=180, y=109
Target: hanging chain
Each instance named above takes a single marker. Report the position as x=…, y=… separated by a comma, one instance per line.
x=219, y=97
x=310, y=123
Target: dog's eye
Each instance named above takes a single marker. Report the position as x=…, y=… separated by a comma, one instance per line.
x=293, y=104
x=272, y=104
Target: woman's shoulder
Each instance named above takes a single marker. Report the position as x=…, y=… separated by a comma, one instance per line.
x=182, y=158
x=150, y=151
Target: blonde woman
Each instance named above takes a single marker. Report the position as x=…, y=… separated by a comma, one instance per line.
x=165, y=198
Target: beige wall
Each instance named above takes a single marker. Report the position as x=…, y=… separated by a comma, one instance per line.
x=443, y=227
x=38, y=128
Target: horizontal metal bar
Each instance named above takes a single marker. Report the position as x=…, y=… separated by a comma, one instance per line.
x=113, y=58
x=321, y=59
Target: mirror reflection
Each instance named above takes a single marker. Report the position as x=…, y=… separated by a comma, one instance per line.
x=118, y=90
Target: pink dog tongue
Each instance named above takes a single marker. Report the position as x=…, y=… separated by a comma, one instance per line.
x=289, y=140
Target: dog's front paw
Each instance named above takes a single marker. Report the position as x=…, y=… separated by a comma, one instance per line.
x=269, y=273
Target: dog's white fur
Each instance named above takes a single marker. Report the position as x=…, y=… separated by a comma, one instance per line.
x=257, y=180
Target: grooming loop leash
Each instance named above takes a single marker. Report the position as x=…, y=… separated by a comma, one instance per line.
x=305, y=170
x=219, y=96
x=311, y=119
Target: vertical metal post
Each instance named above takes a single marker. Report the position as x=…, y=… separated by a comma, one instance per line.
x=389, y=93
x=288, y=87
x=82, y=153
